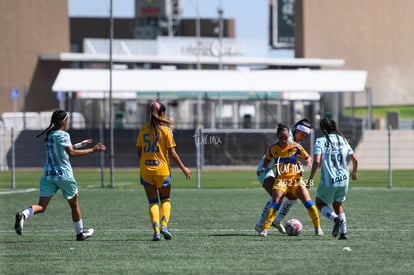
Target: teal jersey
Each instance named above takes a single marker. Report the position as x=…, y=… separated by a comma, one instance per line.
x=334, y=168
x=58, y=167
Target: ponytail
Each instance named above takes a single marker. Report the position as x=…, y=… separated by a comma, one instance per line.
x=156, y=120
x=328, y=126
x=58, y=117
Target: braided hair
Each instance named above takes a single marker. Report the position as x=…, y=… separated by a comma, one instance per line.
x=328, y=126
x=56, y=122
x=156, y=120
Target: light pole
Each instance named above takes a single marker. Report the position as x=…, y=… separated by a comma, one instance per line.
x=111, y=116
x=220, y=15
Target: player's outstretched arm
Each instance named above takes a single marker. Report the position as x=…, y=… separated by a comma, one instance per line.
x=73, y=152
x=83, y=143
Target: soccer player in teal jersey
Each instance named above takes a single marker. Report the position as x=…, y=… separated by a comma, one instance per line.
x=58, y=173
x=331, y=152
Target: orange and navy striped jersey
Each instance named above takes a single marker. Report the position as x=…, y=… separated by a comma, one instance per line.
x=154, y=156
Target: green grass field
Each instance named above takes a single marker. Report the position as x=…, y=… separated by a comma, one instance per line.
x=405, y=112
x=213, y=229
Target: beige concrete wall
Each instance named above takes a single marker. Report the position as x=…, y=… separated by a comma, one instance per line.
x=372, y=35
x=27, y=29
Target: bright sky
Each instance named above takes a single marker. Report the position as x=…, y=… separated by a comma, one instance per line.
x=251, y=16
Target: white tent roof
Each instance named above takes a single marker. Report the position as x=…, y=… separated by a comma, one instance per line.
x=94, y=80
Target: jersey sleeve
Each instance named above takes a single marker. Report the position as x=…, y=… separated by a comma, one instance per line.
x=350, y=151
x=303, y=153
x=139, y=139
x=169, y=138
x=269, y=155
x=64, y=139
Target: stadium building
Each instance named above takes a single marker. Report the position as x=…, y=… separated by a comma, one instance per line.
x=45, y=56
x=138, y=44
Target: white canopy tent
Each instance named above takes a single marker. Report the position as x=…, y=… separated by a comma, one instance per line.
x=305, y=80
x=295, y=84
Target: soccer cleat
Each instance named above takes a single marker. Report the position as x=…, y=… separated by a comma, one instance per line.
x=318, y=231
x=157, y=236
x=280, y=227
x=85, y=234
x=167, y=234
x=263, y=233
x=337, y=225
x=18, y=224
x=343, y=236
x=258, y=228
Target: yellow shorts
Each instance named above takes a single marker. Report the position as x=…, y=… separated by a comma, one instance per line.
x=290, y=185
x=157, y=181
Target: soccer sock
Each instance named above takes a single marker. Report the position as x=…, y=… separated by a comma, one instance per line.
x=343, y=228
x=154, y=212
x=265, y=209
x=270, y=215
x=284, y=210
x=313, y=213
x=28, y=213
x=328, y=212
x=165, y=211
x=78, y=226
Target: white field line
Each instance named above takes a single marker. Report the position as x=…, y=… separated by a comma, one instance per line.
x=17, y=191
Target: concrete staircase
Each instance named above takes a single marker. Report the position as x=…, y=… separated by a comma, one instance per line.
x=372, y=150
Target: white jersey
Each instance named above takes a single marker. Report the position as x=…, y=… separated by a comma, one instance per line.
x=334, y=168
x=57, y=166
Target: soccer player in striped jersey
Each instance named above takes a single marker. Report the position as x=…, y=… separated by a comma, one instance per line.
x=155, y=143
x=301, y=130
x=286, y=153
x=331, y=152
x=58, y=173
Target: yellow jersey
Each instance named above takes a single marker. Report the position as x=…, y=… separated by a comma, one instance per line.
x=154, y=156
x=287, y=164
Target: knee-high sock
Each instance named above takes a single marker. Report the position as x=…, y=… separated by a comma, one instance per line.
x=284, y=210
x=165, y=211
x=270, y=215
x=154, y=212
x=313, y=213
x=343, y=228
x=265, y=209
x=328, y=212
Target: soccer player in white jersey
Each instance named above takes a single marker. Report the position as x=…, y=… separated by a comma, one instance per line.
x=301, y=130
x=331, y=152
x=58, y=173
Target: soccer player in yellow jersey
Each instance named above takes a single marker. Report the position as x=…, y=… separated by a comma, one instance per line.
x=285, y=154
x=301, y=130
x=155, y=145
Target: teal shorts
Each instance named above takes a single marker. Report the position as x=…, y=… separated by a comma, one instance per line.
x=265, y=175
x=330, y=194
x=49, y=188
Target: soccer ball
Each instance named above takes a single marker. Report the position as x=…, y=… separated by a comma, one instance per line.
x=293, y=227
